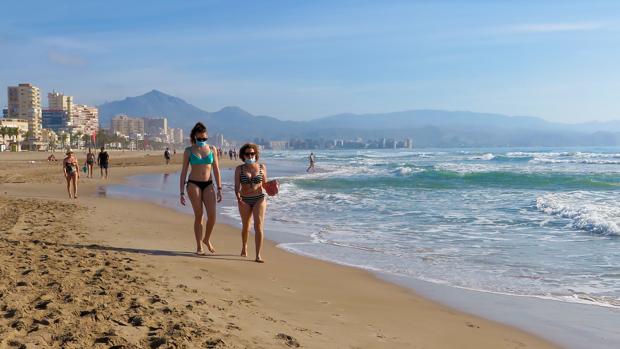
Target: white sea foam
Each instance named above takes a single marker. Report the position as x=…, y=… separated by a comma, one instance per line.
x=485, y=156
x=598, y=219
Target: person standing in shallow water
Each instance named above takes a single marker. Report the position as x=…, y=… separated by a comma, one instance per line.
x=311, y=160
x=249, y=180
x=204, y=161
x=71, y=171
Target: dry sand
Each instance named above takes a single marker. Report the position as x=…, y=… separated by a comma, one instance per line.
x=112, y=273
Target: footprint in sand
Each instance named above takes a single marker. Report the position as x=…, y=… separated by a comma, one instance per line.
x=288, y=340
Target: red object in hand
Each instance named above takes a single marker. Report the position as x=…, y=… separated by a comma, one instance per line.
x=272, y=187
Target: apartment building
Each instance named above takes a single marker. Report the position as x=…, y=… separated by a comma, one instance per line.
x=24, y=102
x=126, y=125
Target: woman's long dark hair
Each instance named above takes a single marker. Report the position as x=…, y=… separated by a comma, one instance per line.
x=198, y=128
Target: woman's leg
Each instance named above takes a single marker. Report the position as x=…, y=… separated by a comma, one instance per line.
x=245, y=211
x=195, y=198
x=90, y=171
x=74, y=178
x=259, y=216
x=68, y=178
x=208, y=198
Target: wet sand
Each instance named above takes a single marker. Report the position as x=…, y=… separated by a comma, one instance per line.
x=102, y=272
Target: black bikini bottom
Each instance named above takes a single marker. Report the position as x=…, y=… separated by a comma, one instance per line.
x=200, y=184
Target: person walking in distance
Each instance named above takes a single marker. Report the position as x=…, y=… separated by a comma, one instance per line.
x=90, y=162
x=103, y=160
x=70, y=168
x=167, y=155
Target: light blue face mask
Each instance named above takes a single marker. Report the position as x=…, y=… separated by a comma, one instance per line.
x=201, y=144
x=250, y=161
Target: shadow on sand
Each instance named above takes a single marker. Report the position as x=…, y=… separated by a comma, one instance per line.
x=228, y=257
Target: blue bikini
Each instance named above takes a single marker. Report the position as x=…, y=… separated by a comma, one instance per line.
x=197, y=160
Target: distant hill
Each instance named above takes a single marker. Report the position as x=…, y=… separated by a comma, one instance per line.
x=428, y=128
x=153, y=104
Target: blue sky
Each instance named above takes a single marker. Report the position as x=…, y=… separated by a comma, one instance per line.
x=304, y=59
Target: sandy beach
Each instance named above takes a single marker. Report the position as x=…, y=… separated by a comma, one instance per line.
x=113, y=273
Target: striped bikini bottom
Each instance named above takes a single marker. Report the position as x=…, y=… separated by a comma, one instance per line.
x=252, y=200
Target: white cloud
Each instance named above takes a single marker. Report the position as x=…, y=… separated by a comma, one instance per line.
x=70, y=60
x=556, y=27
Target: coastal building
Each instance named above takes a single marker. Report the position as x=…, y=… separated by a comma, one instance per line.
x=408, y=143
x=24, y=102
x=58, y=101
x=126, y=125
x=84, y=119
x=156, y=127
x=64, y=115
x=220, y=142
x=56, y=120
x=278, y=145
x=178, y=135
x=20, y=124
x=12, y=132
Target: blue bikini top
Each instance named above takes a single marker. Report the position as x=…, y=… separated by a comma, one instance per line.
x=197, y=160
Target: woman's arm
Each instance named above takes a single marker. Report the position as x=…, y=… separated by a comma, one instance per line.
x=237, y=183
x=264, y=173
x=64, y=167
x=216, y=173
x=184, y=167
x=216, y=170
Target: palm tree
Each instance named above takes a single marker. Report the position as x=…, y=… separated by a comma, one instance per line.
x=3, y=132
x=86, y=139
x=78, y=137
x=65, y=137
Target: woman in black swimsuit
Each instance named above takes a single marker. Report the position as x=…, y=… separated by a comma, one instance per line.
x=201, y=156
x=90, y=161
x=249, y=180
x=72, y=174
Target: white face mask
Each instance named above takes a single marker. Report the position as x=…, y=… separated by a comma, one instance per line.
x=250, y=161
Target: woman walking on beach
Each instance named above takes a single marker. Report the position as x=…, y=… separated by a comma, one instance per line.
x=72, y=174
x=203, y=161
x=90, y=161
x=249, y=180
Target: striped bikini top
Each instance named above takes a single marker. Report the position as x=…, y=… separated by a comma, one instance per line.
x=197, y=160
x=244, y=179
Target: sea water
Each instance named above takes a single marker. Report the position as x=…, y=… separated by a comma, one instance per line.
x=529, y=222
x=535, y=222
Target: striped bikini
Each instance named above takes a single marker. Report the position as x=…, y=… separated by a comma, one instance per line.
x=244, y=179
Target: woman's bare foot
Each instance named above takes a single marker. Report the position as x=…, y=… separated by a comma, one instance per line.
x=209, y=246
x=244, y=252
x=200, y=252
x=259, y=260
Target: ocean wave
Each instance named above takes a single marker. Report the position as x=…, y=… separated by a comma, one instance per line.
x=432, y=178
x=597, y=219
x=485, y=156
x=587, y=161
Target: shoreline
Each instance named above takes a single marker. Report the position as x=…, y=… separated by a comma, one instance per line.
x=524, y=312
x=327, y=300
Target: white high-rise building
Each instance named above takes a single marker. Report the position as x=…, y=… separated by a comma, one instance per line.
x=126, y=125
x=84, y=119
x=24, y=102
x=58, y=101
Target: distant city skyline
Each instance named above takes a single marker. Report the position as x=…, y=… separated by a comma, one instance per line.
x=301, y=60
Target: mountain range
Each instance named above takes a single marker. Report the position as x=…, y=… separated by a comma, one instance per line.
x=428, y=128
